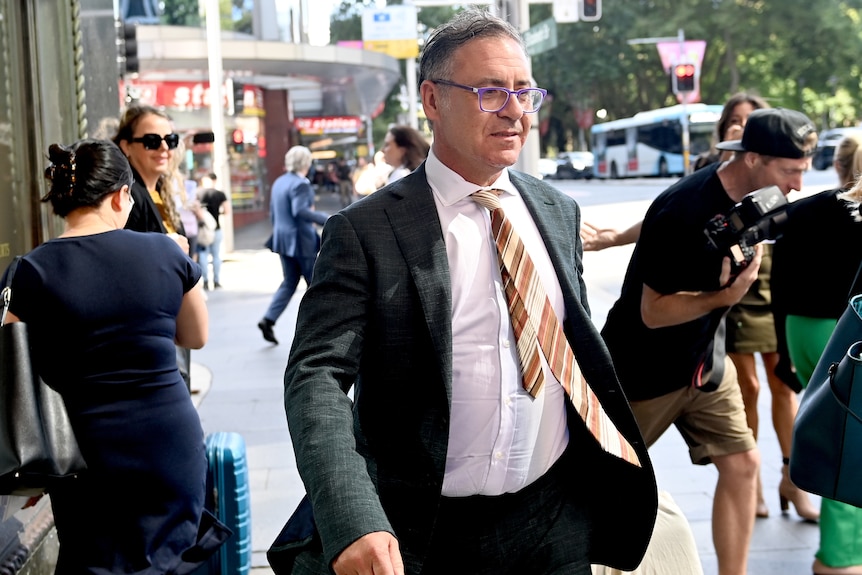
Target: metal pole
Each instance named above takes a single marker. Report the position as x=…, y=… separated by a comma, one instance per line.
x=686, y=138
x=214, y=61
x=412, y=89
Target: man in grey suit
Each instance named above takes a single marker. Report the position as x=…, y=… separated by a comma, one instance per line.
x=442, y=463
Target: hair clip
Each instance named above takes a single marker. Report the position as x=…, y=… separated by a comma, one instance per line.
x=72, y=169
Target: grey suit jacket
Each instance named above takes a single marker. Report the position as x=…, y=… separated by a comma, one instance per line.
x=378, y=314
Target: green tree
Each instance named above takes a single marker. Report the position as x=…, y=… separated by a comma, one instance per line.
x=181, y=13
x=799, y=54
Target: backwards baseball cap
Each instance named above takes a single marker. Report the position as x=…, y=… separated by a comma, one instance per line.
x=774, y=132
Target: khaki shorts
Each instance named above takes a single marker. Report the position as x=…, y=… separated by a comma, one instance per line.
x=712, y=423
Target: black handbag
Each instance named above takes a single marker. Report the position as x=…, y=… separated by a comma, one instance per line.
x=37, y=444
x=826, y=453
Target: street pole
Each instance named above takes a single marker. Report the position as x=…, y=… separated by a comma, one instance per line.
x=214, y=62
x=686, y=136
x=412, y=88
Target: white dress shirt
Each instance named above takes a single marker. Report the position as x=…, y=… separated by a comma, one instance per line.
x=500, y=438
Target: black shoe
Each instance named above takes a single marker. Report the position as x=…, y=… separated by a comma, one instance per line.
x=206, y=286
x=266, y=327
x=216, y=285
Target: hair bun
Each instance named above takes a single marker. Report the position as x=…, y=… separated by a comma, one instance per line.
x=62, y=169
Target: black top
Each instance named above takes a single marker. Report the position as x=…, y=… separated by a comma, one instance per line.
x=816, y=259
x=672, y=255
x=212, y=199
x=101, y=312
x=145, y=216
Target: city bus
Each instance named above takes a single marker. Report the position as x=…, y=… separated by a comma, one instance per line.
x=650, y=143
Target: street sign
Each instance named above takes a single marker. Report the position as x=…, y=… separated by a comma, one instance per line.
x=391, y=30
x=541, y=37
x=566, y=10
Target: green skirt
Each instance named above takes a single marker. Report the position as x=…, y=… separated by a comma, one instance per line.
x=840, y=524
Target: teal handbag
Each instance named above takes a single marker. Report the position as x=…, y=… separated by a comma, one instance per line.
x=826, y=454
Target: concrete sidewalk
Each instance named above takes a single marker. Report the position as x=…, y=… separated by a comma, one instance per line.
x=240, y=379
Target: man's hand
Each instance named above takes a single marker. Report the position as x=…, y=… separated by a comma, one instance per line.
x=376, y=553
x=740, y=284
x=595, y=239
x=663, y=310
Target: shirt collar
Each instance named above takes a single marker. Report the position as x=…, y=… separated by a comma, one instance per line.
x=450, y=188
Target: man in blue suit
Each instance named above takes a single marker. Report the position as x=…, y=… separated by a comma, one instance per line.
x=294, y=238
x=442, y=463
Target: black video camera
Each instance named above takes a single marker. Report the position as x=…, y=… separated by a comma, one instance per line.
x=759, y=216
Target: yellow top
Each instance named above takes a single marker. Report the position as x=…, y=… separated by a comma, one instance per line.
x=166, y=218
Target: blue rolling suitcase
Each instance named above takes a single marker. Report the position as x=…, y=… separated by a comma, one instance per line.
x=228, y=499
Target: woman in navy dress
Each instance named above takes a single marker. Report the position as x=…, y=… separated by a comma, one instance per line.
x=105, y=307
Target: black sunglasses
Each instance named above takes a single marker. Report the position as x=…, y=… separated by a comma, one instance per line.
x=154, y=141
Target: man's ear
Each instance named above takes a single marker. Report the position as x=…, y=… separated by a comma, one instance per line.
x=430, y=101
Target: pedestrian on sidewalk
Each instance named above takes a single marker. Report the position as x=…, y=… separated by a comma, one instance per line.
x=104, y=306
x=294, y=238
x=666, y=331
x=216, y=203
x=404, y=148
x=444, y=462
x=823, y=239
x=751, y=327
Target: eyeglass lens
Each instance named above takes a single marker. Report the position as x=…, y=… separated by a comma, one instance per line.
x=491, y=100
x=154, y=141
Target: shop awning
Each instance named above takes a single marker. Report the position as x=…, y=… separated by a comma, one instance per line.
x=321, y=80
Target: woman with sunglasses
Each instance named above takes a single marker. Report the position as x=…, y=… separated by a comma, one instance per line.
x=146, y=137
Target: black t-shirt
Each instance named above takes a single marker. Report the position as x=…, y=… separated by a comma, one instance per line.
x=672, y=255
x=816, y=259
x=212, y=200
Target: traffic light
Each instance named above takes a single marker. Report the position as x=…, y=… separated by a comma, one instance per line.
x=235, y=96
x=684, y=78
x=128, y=48
x=237, y=138
x=591, y=10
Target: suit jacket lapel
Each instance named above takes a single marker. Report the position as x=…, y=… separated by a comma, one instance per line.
x=416, y=225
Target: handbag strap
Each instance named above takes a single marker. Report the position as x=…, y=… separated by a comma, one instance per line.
x=6, y=293
x=856, y=286
x=833, y=369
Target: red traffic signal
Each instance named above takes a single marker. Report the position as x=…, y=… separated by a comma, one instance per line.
x=237, y=138
x=684, y=77
x=591, y=10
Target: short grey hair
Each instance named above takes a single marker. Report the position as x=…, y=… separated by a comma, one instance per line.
x=297, y=159
x=436, y=60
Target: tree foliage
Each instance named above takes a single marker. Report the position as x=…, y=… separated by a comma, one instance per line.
x=235, y=15
x=800, y=54
x=181, y=13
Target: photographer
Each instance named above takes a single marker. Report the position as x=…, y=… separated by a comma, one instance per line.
x=666, y=332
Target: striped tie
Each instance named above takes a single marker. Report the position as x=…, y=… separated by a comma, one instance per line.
x=536, y=326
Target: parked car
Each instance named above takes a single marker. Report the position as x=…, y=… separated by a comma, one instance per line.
x=547, y=168
x=826, y=144
x=574, y=165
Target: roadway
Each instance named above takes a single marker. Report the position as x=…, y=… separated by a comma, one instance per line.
x=240, y=381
